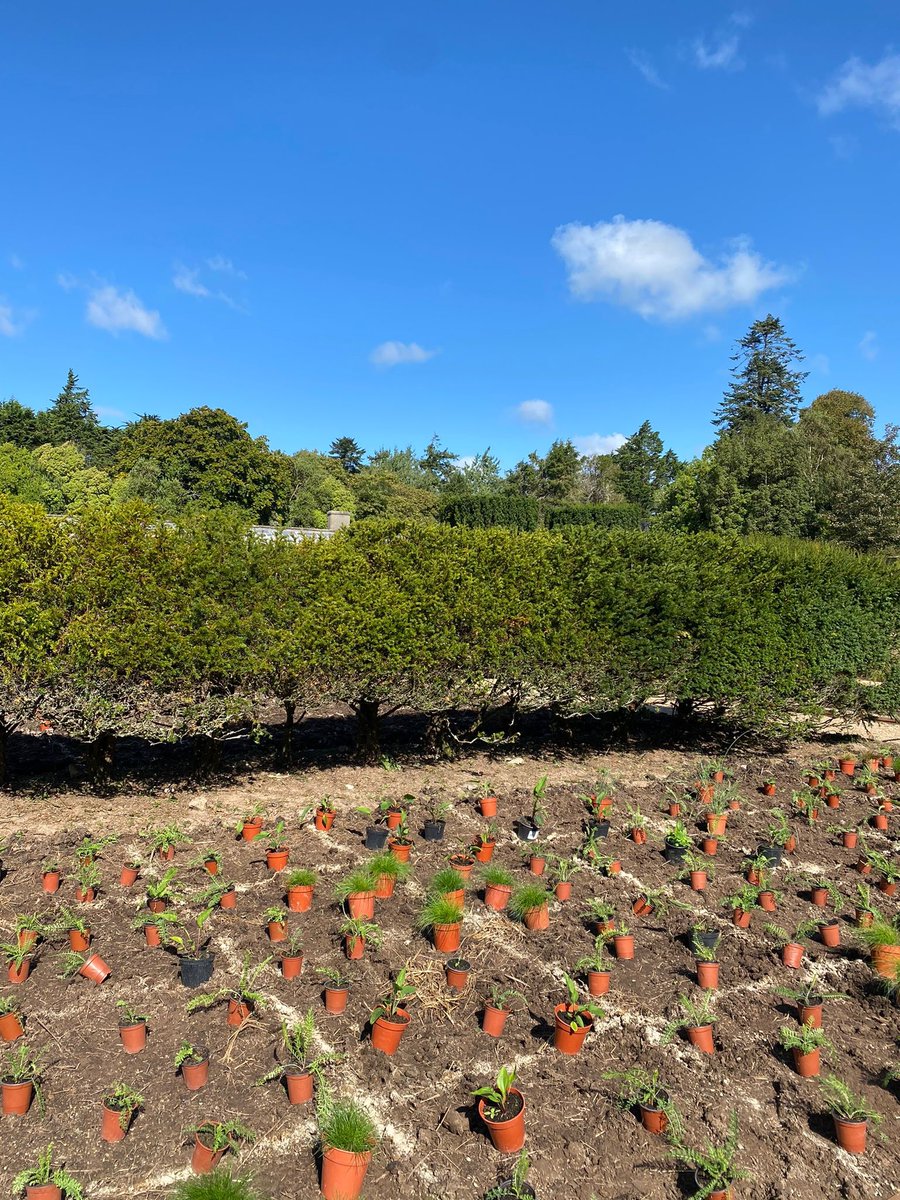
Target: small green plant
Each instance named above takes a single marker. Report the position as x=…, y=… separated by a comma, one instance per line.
x=496, y=1096
x=215, y=889
x=344, y=1124
x=678, y=836
x=187, y=1052
x=501, y=997
x=596, y=960
x=46, y=1175
x=395, y=1000
x=845, y=1104
x=222, y=1135
x=785, y=938
x=882, y=864
x=297, y=1044
x=518, y=1187
x=87, y=875
x=745, y=899
x=528, y=898
x=693, y=861
x=205, y=857
x=165, y=839
x=72, y=964
x=377, y=815
x=302, y=877
x=129, y=1015
x=358, y=927
x=496, y=876
x=636, y=818
x=579, y=1012
x=804, y=1038
x=360, y=881
x=880, y=933
x=243, y=991
x=16, y=955
x=444, y=881
x=598, y=910
x=332, y=977
x=274, y=838
x=538, y=811
x=21, y=1064
x=187, y=940
x=437, y=810
x=125, y=1101
x=438, y=910
x=695, y=1014
x=91, y=847
x=714, y=1165
x=563, y=868
x=326, y=805
x=165, y=888
x=638, y=1086
x=218, y=1185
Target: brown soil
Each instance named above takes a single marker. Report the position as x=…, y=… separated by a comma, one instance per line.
x=580, y=1143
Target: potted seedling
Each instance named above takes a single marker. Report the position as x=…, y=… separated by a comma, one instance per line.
x=163, y=891
x=76, y=929
x=707, y=966
x=600, y=914
x=463, y=861
x=387, y=871
x=530, y=903
x=501, y=1107
x=300, y=886
x=132, y=1028
x=243, y=997
x=337, y=989
x=119, y=1106
x=193, y=1062
x=90, y=847
x=400, y=845
x=742, y=903
x=18, y=960
x=325, y=814
x=357, y=933
x=251, y=824
x=347, y=1137
x=212, y=1139
x=677, y=843
x=768, y=786
x=487, y=801
x=563, y=870
x=645, y=1091
x=622, y=941
x=702, y=935
x=356, y=892
x=11, y=1027
x=377, y=829
x=714, y=1167
x=889, y=872
x=696, y=870
x=210, y=860
x=90, y=966
x=852, y=1114
x=277, y=853
x=20, y=1080
x=806, y=1043
x=792, y=949
x=882, y=939
x=47, y=1182
x=291, y=957
x=809, y=998
x=436, y=820
x=637, y=823
x=697, y=1018
x=496, y=1010
x=596, y=968
x=87, y=879
x=483, y=845
x=163, y=841
x=444, y=918
x=517, y=1186
x=865, y=909
x=573, y=1019
x=275, y=919
x=219, y=892
x=450, y=884
x=130, y=871
x=50, y=875
x=299, y=1066
x=389, y=1020
x=808, y=803
x=528, y=828
x=457, y=971
x=188, y=942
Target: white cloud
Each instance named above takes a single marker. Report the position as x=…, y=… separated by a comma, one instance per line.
x=10, y=324
x=599, y=443
x=859, y=85
x=535, y=412
x=868, y=345
x=656, y=270
x=644, y=66
x=219, y=263
x=119, y=311
x=67, y=282
x=719, y=55
x=393, y=354
x=186, y=280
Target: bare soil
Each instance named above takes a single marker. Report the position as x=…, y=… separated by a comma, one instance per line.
x=581, y=1144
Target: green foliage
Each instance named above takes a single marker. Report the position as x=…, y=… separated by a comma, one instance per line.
x=45, y=1173
x=528, y=898
x=764, y=384
x=599, y=516
x=219, y=1185
x=439, y=910
x=715, y=1165
x=846, y=1104
x=496, y=1095
x=344, y=1124
x=482, y=512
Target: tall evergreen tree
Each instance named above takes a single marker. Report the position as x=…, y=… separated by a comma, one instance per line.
x=765, y=382
x=348, y=453
x=644, y=467
x=18, y=424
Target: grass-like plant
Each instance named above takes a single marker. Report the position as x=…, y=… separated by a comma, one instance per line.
x=219, y=1185
x=388, y=866
x=494, y=875
x=446, y=880
x=45, y=1174
x=360, y=881
x=528, y=898
x=344, y=1124
x=714, y=1164
x=301, y=877
x=438, y=910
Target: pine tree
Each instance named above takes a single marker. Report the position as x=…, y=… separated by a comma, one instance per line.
x=348, y=454
x=765, y=383
x=644, y=467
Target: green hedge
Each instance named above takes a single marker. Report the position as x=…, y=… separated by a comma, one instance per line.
x=482, y=512
x=115, y=623
x=601, y=516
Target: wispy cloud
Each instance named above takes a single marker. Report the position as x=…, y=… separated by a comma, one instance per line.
x=720, y=54
x=219, y=263
x=643, y=64
x=120, y=311
x=67, y=282
x=12, y=322
x=535, y=412
x=395, y=354
x=655, y=269
x=188, y=280
x=599, y=443
x=863, y=85
x=868, y=345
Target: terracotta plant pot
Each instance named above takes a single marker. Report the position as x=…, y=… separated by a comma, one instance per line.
x=16, y=1098
x=698, y=881
x=850, y=838
x=851, y=1135
x=863, y=918
x=204, y=1160
x=156, y=906
x=493, y=1020
x=79, y=941
x=323, y=820
x=387, y=1032
x=95, y=969
x=128, y=876
x=211, y=866
x=133, y=1037
x=111, y=1128
x=354, y=947
x=458, y=971
x=463, y=864
x=384, y=887
x=674, y=810
x=152, y=935
x=709, y=845
x=485, y=852
x=537, y=864
x=880, y=821
x=291, y=966
x=195, y=1074
x=400, y=850
x=654, y=1120
x=228, y=900
x=43, y=1191
x=767, y=902
x=507, y=1136
x=832, y=800
x=807, y=1065
x=496, y=896
x=537, y=918
x=623, y=945
x=830, y=933
x=251, y=828
x=598, y=982
x=886, y=960
x=277, y=860
x=19, y=974
x=336, y=999
x=716, y=823
x=299, y=899
x=10, y=1027
x=298, y=1084
x=887, y=886
x=238, y=1012
x=277, y=931
x=565, y=1039
x=708, y=974
x=446, y=938
x=791, y=844
x=639, y=836
x=343, y=1173
x=810, y=1014
x=819, y=896
x=85, y=895
x=642, y=907
x=740, y=918
x=488, y=807
x=50, y=882
x=768, y=789
x=563, y=890
x=361, y=904
x=792, y=955
x=701, y=1037
x=719, y=1194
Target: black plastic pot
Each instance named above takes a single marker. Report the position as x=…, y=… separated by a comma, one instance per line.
x=433, y=831
x=772, y=854
x=525, y=830
x=376, y=836
x=195, y=971
x=598, y=828
x=674, y=854
x=705, y=937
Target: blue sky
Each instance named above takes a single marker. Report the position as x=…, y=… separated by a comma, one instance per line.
x=504, y=222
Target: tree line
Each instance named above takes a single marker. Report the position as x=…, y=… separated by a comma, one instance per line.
x=775, y=466
x=114, y=622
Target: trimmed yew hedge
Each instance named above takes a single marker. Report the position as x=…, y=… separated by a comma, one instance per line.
x=112, y=623
x=602, y=516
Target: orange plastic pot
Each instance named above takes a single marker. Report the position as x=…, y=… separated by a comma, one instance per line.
x=386, y=1033
x=152, y=935
x=705, y=793
x=598, y=983
x=95, y=969
x=847, y=765
x=204, y=1159
x=768, y=789
x=79, y=941
x=880, y=821
x=850, y=838
x=384, y=887
x=111, y=1128
x=488, y=806
x=291, y=966
x=354, y=947
x=50, y=882
x=792, y=955
x=642, y=907
x=10, y=1027
x=343, y=1173
x=485, y=852
x=791, y=844
x=566, y=1039
x=639, y=836
x=238, y=1012
x=654, y=1120
x=708, y=975
x=361, y=904
x=716, y=823
x=674, y=810
x=563, y=890
x=277, y=931
x=832, y=800
x=507, y=1136
x=400, y=850
x=336, y=999
x=195, y=1075
x=16, y=1098
x=277, y=860
x=133, y=1037
x=299, y=1085
x=19, y=974
x=537, y=918
x=807, y=1065
x=864, y=918
x=299, y=899
x=43, y=1191
x=156, y=906
x=493, y=1020
x=851, y=1135
x=623, y=945
x=85, y=895
x=323, y=820
x=251, y=828
x=446, y=938
x=810, y=1014
x=886, y=960
x=496, y=896
x=887, y=886
x=228, y=900
x=698, y=881
x=212, y=866
x=701, y=1037
x=741, y=918
x=830, y=934
x=461, y=863
x=709, y=845
x=394, y=818
x=128, y=876
x=537, y=864
x=767, y=901
x=457, y=977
